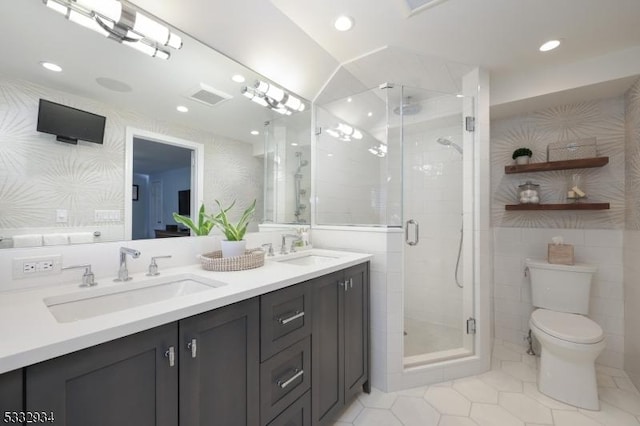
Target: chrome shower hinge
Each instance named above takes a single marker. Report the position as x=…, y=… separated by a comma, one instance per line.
x=471, y=326
x=470, y=124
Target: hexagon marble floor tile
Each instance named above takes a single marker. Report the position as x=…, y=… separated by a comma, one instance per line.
x=505, y=396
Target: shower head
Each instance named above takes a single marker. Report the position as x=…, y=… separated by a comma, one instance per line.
x=407, y=107
x=448, y=142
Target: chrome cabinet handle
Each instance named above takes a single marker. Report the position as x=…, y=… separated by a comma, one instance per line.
x=350, y=282
x=171, y=354
x=345, y=284
x=295, y=316
x=417, y=233
x=284, y=384
x=193, y=346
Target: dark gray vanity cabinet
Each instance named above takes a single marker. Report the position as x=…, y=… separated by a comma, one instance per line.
x=219, y=367
x=129, y=381
x=11, y=392
x=340, y=336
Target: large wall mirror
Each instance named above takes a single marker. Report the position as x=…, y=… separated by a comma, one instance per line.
x=145, y=169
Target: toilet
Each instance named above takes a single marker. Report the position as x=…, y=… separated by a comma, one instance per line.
x=570, y=341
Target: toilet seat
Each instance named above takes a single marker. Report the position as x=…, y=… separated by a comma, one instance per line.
x=572, y=328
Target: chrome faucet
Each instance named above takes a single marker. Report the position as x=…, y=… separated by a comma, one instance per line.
x=123, y=272
x=283, y=248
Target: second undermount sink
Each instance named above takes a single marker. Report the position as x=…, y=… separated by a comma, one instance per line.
x=308, y=260
x=99, y=301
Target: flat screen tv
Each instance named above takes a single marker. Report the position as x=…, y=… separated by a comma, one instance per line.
x=70, y=124
x=184, y=202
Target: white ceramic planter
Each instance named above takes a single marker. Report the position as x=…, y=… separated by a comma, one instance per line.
x=233, y=248
x=523, y=159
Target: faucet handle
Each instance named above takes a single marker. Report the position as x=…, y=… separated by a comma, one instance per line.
x=88, y=278
x=153, y=266
x=270, y=246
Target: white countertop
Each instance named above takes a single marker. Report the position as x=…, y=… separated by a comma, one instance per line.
x=29, y=333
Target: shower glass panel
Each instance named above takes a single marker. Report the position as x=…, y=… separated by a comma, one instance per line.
x=357, y=182
x=287, y=166
x=437, y=301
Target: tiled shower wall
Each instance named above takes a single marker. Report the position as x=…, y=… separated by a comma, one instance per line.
x=632, y=235
x=597, y=235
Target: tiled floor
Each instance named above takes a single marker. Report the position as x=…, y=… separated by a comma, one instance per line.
x=505, y=396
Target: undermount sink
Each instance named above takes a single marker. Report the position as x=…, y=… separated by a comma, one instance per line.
x=99, y=301
x=308, y=260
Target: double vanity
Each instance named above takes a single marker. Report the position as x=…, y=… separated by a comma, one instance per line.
x=284, y=344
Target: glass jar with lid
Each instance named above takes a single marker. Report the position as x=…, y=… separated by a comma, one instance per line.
x=529, y=193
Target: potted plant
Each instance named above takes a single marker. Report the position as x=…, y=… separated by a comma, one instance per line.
x=234, y=245
x=522, y=155
x=204, y=225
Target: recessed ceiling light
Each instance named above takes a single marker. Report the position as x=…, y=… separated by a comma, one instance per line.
x=343, y=23
x=51, y=66
x=255, y=132
x=294, y=144
x=459, y=96
x=329, y=155
x=550, y=45
x=349, y=99
x=369, y=114
x=238, y=78
x=182, y=108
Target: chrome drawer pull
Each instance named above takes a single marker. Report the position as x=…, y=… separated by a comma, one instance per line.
x=295, y=316
x=298, y=373
x=193, y=346
x=171, y=354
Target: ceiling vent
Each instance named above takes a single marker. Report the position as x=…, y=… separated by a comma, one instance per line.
x=416, y=6
x=208, y=95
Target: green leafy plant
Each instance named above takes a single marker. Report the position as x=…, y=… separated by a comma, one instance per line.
x=204, y=225
x=521, y=152
x=233, y=232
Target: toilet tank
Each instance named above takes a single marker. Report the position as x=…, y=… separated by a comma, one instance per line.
x=561, y=288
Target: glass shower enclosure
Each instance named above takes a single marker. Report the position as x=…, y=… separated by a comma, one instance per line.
x=399, y=157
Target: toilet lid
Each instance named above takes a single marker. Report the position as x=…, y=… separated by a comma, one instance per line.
x=570, y=327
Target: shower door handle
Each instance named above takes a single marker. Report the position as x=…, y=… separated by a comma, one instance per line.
x=416, y=234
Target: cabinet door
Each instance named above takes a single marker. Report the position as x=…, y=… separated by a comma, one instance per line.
x=124, y=382
x=11, y=392
x=356, y=330
x=327, y=350
x=219, y=377
x=297, y=414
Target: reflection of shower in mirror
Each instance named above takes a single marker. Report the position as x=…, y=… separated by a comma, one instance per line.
x=299, y=192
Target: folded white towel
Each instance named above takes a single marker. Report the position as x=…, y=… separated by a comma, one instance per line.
x=55, y=239
x=80, y=237
x=27, y=240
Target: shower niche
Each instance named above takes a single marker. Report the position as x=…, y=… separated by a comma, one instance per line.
x=287, y=165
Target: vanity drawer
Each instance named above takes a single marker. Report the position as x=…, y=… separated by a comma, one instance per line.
x=285, y=318
x=298, y=413
x=284, y=378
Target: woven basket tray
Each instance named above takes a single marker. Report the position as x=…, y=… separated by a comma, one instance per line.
x=253, y=258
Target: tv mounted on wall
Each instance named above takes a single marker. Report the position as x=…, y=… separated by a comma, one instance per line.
x=184, y=202
x=70, y=124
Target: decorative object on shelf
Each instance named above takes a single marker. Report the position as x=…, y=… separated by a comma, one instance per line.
x=572, y=150
x=562, y=206
x=529, y=193
x=204, y=225
x=559, y=253
x=250, y=259
x=576, y=188
x=522, y=155
x=234, y=245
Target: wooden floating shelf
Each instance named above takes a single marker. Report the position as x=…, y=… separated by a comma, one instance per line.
x=565, y=206
x=582, y=163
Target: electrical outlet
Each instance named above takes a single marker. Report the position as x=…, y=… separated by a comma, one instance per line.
x=32, y=267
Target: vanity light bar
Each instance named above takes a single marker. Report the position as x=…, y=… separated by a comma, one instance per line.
x=119, y=21
x=273, y=97
x=344, y=132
